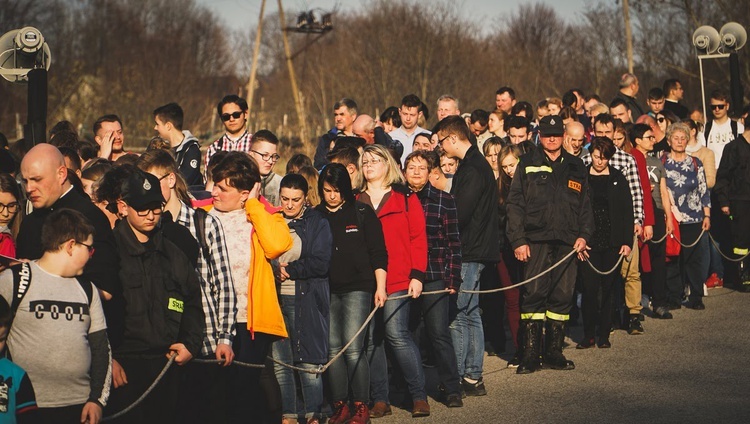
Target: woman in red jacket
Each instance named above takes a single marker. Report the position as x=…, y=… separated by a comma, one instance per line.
x=382, y=186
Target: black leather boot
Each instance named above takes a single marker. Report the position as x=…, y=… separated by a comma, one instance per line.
x=530, y=340
x=553, y=346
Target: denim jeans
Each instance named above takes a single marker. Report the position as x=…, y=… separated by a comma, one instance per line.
x=348, y=312
x=435, y=310
x=312, y=384
x=395, y=321
x=466, y=326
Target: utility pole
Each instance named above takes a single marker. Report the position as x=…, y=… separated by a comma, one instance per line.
x=254, y=68
x=628, y=34
x=292, y=77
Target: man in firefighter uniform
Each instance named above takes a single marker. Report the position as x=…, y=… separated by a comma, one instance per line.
x=549, y=215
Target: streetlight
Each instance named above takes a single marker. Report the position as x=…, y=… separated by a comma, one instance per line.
x=712, y=44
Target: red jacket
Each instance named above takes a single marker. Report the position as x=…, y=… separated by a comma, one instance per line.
x=405, y=233
x=648, y=206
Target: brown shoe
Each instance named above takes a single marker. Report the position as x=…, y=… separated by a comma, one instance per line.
x=421, y=409
x=380, y=410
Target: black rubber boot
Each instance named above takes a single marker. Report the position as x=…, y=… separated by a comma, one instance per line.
x=529, y=343
x=553, y=346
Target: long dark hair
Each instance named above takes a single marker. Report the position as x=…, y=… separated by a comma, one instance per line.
x=336, y=175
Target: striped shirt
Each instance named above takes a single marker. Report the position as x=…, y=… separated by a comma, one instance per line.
x=217, y=287
x=625, y=163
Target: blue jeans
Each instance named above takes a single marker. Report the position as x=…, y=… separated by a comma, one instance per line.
x=466, y=326
x=312, y=384
x=348, y=312
x=395, y=321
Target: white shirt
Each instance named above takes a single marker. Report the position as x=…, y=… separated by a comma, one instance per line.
x=406, y=140
x=720, y=136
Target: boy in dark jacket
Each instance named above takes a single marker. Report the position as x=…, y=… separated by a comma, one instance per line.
x=163, y=311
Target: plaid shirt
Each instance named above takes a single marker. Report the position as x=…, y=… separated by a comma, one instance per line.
x=443, y=242
x=625, y=163
x=217, y=287
x=225, y=143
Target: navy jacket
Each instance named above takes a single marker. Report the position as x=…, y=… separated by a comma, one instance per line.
x=312, y=298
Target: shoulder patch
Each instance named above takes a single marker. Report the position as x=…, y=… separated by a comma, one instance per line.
x=574, y=185
x=194, y=163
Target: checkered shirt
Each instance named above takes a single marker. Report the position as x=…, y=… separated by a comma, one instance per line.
x=443, y=241
x=225, y=143
x=217, y=286
x=625, y=163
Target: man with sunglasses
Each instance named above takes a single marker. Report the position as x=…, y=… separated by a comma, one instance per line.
x=163, y=312
x=720, y=130
x=232, y=110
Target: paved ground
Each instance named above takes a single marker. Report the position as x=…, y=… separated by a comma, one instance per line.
x=693, y=368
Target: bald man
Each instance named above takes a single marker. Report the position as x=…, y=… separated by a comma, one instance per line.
x=47, y=187
x=575, y=136
x=366, y=127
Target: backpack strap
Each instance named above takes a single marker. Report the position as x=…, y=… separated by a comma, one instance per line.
x=87, y=287
x=21, y=281
x=733, y=124
x=199, y=219
x=707, y=129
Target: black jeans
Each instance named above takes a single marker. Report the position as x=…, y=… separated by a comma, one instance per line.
x=655, y=282
x=160, y=406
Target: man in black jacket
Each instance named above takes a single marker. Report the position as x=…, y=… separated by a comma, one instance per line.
x=475, y=191
x=163, y=310
x=549, y=214
x=733, y=193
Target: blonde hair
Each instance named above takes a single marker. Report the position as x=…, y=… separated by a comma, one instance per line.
x=311, y=175
x=393, y=174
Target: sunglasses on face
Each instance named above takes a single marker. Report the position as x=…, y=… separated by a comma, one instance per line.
x=236, y=115
x=720, y=107
x=660, y=119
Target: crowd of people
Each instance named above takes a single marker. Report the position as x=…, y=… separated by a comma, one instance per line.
x=393, y=249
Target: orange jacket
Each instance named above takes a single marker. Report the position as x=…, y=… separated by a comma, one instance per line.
x=270, y=238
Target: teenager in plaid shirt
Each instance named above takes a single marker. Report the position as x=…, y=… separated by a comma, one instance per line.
x=232, y=110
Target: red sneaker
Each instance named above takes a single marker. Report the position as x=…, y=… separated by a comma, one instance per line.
x=361, y=414
x=713, y=281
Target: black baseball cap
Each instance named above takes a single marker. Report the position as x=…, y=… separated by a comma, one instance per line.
x=551, y=125
x=142, y=191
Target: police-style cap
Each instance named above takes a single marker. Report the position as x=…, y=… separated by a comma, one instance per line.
x=142, y=190
x=551, y=125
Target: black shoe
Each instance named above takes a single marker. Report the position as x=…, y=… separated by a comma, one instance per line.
x=453, y=400
x=696, y=304
x=586, y=343
x=515, y=361
x=489, y=349
x=662, y=312
x=634, y=326
x=473, y=389
x=603, y=344
x=530, y=342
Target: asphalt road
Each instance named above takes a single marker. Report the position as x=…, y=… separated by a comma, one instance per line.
x=693, y=368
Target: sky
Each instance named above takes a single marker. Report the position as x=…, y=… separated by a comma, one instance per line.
x=244, y=13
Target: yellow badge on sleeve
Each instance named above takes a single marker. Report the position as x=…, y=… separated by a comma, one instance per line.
x=575, y=185
x=176, y=305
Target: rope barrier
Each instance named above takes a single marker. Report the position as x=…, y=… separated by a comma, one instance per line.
x=617, y=266
x=146, y=393
x=527, y=281
x=716, y=245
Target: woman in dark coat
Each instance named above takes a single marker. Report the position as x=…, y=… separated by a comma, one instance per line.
x=613, y=216
x=305, y=300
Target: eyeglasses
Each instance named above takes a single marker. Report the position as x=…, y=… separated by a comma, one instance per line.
x=164, y=176
x=371, y=162
x=267, y=157
x=236, y=115
x=11, y=207
x=720, y=107
x=441, y=140
x=156, y=211
x=661, y=119
x=651, y=137
x=88, y=246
